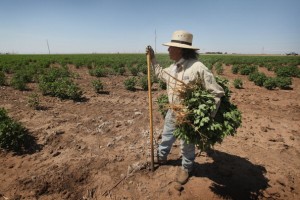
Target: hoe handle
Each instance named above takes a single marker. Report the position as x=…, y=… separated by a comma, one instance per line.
x=150, y=110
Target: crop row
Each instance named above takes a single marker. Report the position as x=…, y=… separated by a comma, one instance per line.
x=52, y=75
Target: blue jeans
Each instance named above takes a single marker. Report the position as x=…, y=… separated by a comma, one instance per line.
x=187, y=150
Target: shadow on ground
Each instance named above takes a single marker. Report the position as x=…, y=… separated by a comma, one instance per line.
x=234, y=177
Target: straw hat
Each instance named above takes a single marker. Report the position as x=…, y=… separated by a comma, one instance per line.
x=181, y=39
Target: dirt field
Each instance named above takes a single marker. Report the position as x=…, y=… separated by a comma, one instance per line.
x=98, y=148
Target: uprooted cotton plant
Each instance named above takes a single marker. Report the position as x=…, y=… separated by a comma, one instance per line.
x=195, y=121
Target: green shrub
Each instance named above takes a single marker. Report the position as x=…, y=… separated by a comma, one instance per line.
x=288, y=71
x=246, y=70
x=252, y=76
x=13, y=136
x=54, y=73
x=270, y=83
x=57, y=82
x=98, y=72
x=98, y=85
x=134, y=71
x=235, y=69
x=130, y=84
x=120, y=70
x=67, y=89
x=238, y=83
x=258, y=78
x=143, y=69
x=144, y=82
x=219, y=69
x=2, y=78
x=18, y=83
x=63, y=88
x=34, y=101
x=283, y=82
x=270, y=66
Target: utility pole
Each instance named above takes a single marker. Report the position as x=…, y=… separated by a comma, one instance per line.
x=48, y=47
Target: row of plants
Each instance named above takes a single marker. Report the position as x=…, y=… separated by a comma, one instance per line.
x=259, y=60
x=35, y=69
x=10, y=62
x=282, y=80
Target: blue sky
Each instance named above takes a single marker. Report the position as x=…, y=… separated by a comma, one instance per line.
x=128, y=26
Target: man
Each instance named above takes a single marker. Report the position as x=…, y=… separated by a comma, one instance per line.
x=186, y=68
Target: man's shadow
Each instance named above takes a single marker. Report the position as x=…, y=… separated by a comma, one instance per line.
x=234, y=177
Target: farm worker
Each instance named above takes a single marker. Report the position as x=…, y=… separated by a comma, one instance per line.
x=186, y=68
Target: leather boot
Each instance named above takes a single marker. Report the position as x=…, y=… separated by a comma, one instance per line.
x=182, y=176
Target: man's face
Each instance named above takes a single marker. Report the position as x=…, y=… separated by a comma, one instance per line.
x=175, y=53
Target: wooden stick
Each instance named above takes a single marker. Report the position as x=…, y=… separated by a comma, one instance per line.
x=107, y=191
x=150, y=110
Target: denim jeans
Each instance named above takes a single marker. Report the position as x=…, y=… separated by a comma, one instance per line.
x=187, y=150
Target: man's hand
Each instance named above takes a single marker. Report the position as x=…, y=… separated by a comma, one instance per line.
x=150, y=51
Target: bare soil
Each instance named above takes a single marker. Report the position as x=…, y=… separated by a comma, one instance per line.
x=99, y=148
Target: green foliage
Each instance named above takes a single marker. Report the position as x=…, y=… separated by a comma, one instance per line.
x=258, y=78
x=2, y=78
x=66, y=89
x=34, y=101
x=28, y=68
x=130, y=84
x=219, y=68
x=143, y=69
x=270, y=83
x=288, y=71
x=119, y=70
x=235, y=69
x=18, y=82
x=13, y=136
x=198, y=126
x=283, y=82
x=98, y=72
x=59, y=85
x=238, y=83
x=162, y=101
x=269, y=67
x=144, y=83
x=246, y=70
x=97, y=85
x=134, y=71
x=223, y=82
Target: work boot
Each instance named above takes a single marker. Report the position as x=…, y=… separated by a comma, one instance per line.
x=182, y=176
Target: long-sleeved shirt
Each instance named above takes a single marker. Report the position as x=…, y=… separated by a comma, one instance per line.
x=187, y=71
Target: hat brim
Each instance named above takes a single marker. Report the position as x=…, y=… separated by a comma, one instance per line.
x=185, y=46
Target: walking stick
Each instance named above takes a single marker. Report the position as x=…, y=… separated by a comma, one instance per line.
x=150, y=109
